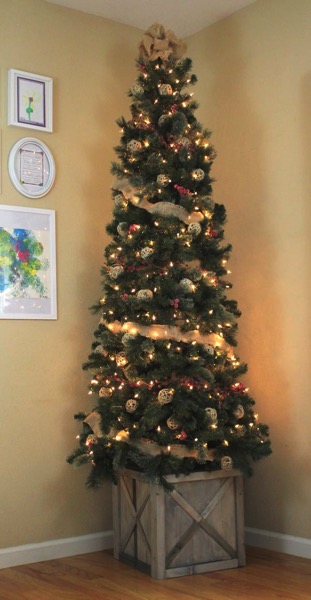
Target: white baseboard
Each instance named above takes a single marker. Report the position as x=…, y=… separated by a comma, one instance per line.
x=279, y=542
x=31, y=553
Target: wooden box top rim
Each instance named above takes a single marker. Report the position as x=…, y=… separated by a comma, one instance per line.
x=195, y=476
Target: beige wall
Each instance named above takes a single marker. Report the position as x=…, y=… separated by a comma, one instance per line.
x=92, y=63
x=254, y=90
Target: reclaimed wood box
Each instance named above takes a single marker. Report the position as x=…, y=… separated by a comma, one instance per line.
x=196, y=528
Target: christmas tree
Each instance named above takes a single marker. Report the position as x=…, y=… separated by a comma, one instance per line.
x=165, y=377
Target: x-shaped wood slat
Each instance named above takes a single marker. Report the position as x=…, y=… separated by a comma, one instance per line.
x=200, y=521
x=136, y=514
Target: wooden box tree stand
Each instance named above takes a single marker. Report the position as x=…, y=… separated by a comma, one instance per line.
x=195, y=528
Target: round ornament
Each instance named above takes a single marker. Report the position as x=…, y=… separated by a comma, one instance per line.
x=115, y=272
x=137, y=90
x=184, y=142
x=194, y=229
x=144, y=295
x=133, y=145
x=187, y=285
x=163, y=180
x=172, y=423
x=99, y=349
x=240, y=430
x=121, y=359
x=165, y=396
x=187, y=239
x=146, y=252
x=239, y=412
x=122, y=229
x=226, y=463
x=165, y=89
x=163, y=120
x=127, y=338
x=147, y=346
x=120, y=202
x=105, y=392
x=212, y=414
x=131, y=405
x=198, y=174
x=91, y=439
x=210, y=349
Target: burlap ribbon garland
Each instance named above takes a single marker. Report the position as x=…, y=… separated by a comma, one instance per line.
x=164, y=209
x=159, y=42
x=144, y=446
x=167, y=332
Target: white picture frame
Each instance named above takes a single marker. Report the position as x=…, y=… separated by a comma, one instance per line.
x=31, y=167
x=28, y=263
x=30, y=100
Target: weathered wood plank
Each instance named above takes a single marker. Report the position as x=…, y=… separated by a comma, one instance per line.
x=239, y=495
x=198, y=527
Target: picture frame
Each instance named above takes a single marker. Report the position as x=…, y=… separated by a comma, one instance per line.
x=31, y=167
x=27, y=263
x=30, y=100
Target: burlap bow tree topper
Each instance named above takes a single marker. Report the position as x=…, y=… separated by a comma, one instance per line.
x=158, y=42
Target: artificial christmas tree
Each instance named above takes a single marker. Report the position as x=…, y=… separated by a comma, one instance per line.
x=165, y=377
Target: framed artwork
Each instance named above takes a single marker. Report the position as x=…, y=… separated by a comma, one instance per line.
x=31, y=167
x=27, y=263
x=30, y=100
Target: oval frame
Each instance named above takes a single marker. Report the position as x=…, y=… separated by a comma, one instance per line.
x=44, y=172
